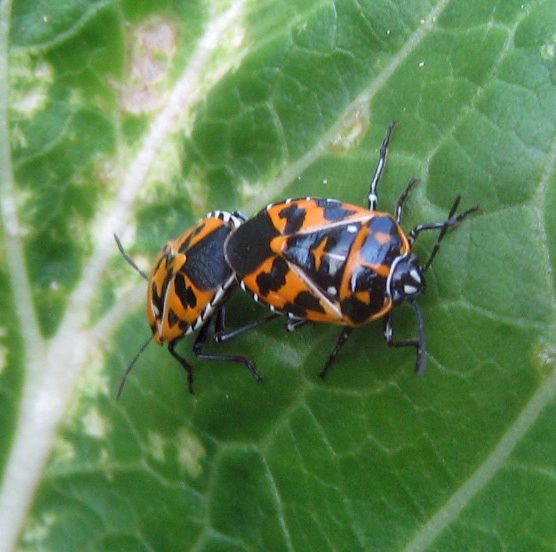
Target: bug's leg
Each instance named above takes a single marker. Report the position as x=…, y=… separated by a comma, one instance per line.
x=453, y=220
x=342, y=338
x=221, y=335
x=187, y=367
x=293, y=323
x=240, y=215
x=403, y=197
x=373, y=195
x=200, y=343
x=220, y=321
x=420, y=344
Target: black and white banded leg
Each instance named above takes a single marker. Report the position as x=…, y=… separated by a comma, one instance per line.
x=373, y=193
x=222, y=335
x=403, y=197
x=293, y=323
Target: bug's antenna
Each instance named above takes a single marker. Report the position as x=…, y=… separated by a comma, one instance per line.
x=130, y=366
x=129, y=259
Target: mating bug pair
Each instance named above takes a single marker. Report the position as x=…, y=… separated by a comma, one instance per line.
x=310, y=259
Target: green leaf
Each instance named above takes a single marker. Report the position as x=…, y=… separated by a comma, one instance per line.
x=137, y=118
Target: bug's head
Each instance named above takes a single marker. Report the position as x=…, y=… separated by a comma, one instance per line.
x=406, y=280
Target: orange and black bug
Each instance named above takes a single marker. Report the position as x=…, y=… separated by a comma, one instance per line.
x=322, y=260
x=187, y=289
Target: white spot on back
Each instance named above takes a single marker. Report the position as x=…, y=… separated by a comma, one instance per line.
x=332, y=290
x=351, y=228
x=410, y=290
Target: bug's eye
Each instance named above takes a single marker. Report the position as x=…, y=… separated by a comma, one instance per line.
x=406, y=279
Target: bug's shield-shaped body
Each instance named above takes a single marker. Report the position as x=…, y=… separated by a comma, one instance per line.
x=190, y=278
x=318, y=259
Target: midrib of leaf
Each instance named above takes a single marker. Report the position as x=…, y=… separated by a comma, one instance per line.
x=49, y=383
x=24, y=308
x=546, y=392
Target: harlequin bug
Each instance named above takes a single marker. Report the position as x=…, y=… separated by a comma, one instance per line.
x=322, y=260
x=187, y=289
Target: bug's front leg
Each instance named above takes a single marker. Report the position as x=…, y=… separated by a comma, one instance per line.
x=373, y=189
x=186, y=366
x=420, y=343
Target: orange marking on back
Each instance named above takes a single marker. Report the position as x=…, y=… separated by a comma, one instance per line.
x=278, y=244
x=319, y=251
x=381, y=237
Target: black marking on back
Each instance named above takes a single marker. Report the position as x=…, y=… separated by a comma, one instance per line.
x=333, y=209
x=184, y=326
x=374, y=252
x=275, y=279
x=365, y=278
x=206, y=266
x=294, y=216
x=355, y=309
x=158, y=300
x=184, y=292
x=295, y=310
x=185, y=245
x=180, y=287
x=249, y=245
x=173, y=318
x=309, y=301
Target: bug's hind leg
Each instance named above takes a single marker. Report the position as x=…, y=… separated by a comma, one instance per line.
x=222, y=335
x=202, y=338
